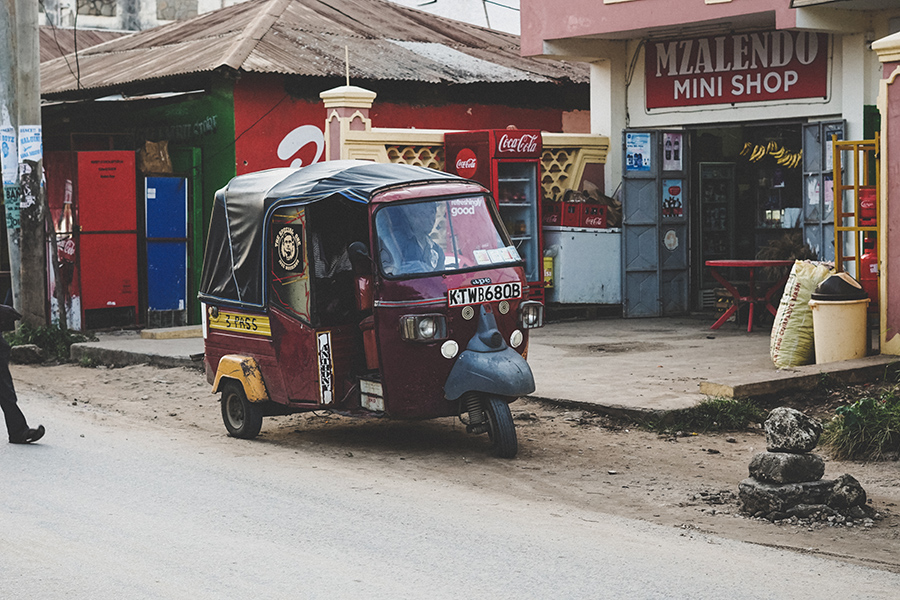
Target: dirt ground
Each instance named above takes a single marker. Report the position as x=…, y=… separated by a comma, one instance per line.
x=688, y=482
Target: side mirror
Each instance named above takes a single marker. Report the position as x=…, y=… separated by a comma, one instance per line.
x=360, y=259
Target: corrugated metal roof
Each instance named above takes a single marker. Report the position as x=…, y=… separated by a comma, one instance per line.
x=385, y=41
x=59, y=41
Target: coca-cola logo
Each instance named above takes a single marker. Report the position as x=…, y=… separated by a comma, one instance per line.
x=595, y=221
x=466, y=163
x=525, y=143
x=66, y=250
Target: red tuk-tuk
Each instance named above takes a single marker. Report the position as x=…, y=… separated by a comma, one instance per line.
x=365, y=288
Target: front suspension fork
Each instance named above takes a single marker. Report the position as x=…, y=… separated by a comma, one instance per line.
x=472, y=403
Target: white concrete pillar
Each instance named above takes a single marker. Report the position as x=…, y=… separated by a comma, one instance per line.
x=608, y=110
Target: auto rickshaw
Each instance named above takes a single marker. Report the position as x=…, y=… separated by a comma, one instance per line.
x=365, y=289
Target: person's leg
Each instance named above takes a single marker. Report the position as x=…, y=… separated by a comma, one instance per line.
x=16, y=425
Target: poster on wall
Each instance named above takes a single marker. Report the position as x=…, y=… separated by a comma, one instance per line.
x=812, y=191
x=672, y=152
x=9, y=155
x=672, y=198
x=637, y=151
x=832, y=131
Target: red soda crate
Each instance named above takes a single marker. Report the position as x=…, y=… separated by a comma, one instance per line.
x=594, y=215
x=571, y=214
x=552, y=214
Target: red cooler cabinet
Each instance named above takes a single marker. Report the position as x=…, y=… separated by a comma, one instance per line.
x=92, y=200
x=508, y=162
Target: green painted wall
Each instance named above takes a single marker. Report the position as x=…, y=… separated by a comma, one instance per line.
x=201, y=134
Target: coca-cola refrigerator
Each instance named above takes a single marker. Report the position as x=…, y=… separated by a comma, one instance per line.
x=508, y=162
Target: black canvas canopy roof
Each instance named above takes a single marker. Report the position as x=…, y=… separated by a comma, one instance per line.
x=233, y=262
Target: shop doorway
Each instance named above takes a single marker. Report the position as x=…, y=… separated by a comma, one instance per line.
x=749, y=199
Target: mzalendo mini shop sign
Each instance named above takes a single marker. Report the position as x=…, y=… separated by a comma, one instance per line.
x=747, y=67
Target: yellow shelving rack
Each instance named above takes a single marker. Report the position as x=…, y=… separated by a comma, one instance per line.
x=860, y=162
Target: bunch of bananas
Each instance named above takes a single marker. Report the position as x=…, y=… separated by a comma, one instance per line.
x=782, y=156
x=754, y=151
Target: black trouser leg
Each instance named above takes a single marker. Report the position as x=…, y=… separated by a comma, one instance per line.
x=15, y=420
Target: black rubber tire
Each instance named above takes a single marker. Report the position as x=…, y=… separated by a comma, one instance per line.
x=501, y=428
x=243, y=419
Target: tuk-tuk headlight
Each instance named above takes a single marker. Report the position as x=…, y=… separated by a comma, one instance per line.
x=531, y=314
x=423, y=328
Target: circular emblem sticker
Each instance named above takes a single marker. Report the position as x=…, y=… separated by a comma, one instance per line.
x=466, y=163
x=287, y=245
x=671, y=240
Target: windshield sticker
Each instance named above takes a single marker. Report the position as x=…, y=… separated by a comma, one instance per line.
x=288, y=247
x=464, y=206
x=481, y=257
x=513, y=253
x=480, y=294
x=498, y=255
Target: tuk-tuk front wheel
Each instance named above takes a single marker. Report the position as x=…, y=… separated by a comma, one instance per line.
x=243, y=419
x=501, y=428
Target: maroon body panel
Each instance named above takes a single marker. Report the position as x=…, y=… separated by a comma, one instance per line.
x=414, y=373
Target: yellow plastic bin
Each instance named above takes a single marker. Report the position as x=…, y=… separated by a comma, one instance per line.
x=839, y=308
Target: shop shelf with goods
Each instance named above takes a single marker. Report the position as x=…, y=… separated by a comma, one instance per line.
x=778, y=195
x=717, y=191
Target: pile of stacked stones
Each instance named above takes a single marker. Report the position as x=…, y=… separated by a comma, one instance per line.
x=786, y=481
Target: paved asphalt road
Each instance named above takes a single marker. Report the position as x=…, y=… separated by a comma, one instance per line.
x=107, y=508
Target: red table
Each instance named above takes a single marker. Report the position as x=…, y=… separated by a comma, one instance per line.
x=753, y=297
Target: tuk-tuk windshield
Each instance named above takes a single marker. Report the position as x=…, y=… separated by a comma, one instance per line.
x=434, y=236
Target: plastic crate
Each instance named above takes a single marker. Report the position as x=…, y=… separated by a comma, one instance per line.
x=594, y=216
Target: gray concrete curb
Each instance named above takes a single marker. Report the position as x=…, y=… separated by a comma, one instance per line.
x=88, y=352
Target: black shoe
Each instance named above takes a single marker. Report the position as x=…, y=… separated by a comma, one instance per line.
x=30, y=435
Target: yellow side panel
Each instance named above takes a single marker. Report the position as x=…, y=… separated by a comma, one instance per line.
x=238, y=323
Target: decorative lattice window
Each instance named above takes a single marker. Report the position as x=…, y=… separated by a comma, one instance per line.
x=557, y=165
x=421, y=156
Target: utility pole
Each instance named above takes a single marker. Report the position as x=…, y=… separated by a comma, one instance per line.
x=20, y=118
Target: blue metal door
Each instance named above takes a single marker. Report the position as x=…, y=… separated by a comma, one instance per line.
x=166, y=206
x=655, y=258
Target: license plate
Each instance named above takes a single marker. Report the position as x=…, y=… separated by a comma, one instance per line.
x=482, y=294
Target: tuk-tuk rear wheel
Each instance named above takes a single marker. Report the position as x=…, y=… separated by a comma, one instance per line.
x=243, y=419
x=501, y=428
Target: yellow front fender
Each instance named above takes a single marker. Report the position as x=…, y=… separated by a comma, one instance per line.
x=246, y=370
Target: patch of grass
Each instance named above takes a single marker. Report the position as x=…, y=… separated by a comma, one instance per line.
x=54, y=341
x=714, y=414
x=88, y=362
x=868, y=429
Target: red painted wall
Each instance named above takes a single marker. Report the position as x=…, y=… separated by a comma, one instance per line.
x=272, y=129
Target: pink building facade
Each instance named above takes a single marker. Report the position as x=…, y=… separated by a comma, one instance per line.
x=753, y=92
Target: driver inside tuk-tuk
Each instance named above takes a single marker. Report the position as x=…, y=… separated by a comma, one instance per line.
x=404, y=232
